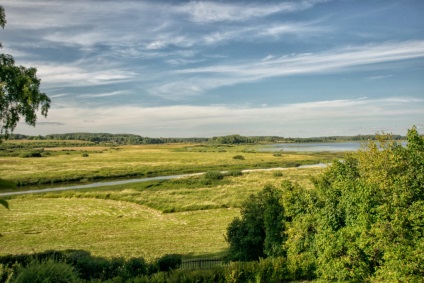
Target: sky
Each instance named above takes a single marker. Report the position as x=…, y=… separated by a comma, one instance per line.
x=211, y=68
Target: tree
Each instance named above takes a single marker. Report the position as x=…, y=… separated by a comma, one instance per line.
x=364, y=221
x=19, y=93
x=259, y=231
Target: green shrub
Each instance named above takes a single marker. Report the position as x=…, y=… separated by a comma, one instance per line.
x=277, y=154
x=234, y=173
x=214, y=175
x=136, y=266
x=169, y=262
x=238, y=157
x=85, y=155
x=277, y=174
x=30, y=154
x=45, y=272
x=4, y=184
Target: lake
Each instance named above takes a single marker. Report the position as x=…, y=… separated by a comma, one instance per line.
x=317, y=146
x=314, y=147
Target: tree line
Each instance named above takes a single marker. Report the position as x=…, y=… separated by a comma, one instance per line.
x=121, y=139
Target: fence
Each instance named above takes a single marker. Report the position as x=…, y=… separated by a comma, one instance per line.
x=201, y=263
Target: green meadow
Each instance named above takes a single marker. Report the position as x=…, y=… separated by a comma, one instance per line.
x=87, y=163
x=188, y=216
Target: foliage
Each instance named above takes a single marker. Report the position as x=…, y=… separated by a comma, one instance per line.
x=69, y=263
x=258, y=232
x=214, y=175
x=19, y=93
x=277, y=174
x=30, y=154
x=234, y=173
x=364, y=220
x=48, y=271
x=238, y=157
x=169, y=262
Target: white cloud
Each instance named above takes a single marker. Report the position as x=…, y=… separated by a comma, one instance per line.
x=388, y=114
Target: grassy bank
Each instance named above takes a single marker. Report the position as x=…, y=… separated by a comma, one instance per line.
x=129, y=220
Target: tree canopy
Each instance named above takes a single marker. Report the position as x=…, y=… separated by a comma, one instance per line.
x=20, y=95
x=362, y=222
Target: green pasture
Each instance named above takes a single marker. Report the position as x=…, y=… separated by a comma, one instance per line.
x=76, y=164
x=188, y=216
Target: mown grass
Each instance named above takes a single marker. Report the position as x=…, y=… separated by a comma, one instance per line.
x=129, y=220
x=67, y=164
x=109, y=228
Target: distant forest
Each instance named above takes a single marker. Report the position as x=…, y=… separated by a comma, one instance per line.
x=120, y=139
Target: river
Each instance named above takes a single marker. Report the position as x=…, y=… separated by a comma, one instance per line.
x=313, y=147
x=139, y=180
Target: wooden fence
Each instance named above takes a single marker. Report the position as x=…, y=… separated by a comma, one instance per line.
x=201, y=263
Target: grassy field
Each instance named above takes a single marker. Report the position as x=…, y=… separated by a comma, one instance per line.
x=76, y=164
x=187, y=216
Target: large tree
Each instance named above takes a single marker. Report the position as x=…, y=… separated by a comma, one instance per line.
x=20, y=96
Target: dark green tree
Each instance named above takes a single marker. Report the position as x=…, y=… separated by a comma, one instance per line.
x=258, y=233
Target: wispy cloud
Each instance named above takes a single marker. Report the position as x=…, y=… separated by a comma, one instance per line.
x=379, y=77
x=106, y=94
x=336, y=60
x=69, y=75
x=208, y=11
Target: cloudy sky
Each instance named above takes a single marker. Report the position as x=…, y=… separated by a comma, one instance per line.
x=209, y=68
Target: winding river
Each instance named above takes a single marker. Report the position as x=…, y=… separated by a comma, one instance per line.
x=121, y=182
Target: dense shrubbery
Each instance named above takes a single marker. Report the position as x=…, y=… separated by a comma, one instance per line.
x=363, y=222
x=45, y=272
x=80, y=265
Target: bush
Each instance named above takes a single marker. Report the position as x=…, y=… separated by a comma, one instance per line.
x=169, y=262
x=136, y=267
x=234, y=173
x=239, y=157
x=277, y=174
x=214, y=175
x=30, y=154
x=85, y=155
x=45, y=272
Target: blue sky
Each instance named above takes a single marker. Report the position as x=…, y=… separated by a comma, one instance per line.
x=210, y=68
